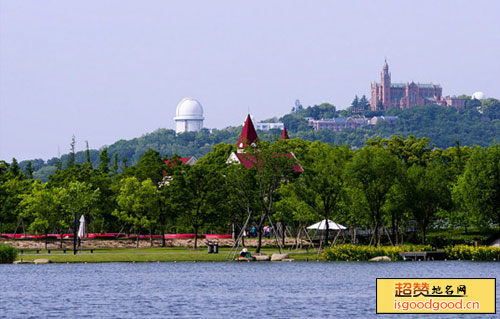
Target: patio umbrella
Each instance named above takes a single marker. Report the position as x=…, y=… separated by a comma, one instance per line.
x=331, y=225
x=81, y=229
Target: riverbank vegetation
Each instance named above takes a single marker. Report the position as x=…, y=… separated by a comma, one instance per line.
x=391, y=191
x=7, y=254
x=348, y=252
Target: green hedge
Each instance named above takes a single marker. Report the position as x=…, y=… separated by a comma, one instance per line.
x=363, y=253
x=481, y=253
x=7, y=254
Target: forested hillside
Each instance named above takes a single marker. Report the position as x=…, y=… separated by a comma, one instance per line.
x=477, y=124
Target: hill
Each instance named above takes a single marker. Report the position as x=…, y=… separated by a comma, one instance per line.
x=477, y=124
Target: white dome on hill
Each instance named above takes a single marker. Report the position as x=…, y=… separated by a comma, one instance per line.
x=188, y=116
x=189, y=108
x=478, y=95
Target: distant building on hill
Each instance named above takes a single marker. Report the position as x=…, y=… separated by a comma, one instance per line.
x=188, y=116
x=386, y=95
x=263, y=126
x=339, y=124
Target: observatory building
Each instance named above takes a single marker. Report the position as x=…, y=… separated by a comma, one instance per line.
x=188, y=116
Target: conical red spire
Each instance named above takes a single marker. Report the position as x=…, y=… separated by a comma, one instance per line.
x=248, y=134
x=284, y=135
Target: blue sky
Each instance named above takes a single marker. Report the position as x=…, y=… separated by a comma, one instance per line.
x=110, y=70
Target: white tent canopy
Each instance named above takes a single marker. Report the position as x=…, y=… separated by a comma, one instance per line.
x=81, y=229
x=331, y=225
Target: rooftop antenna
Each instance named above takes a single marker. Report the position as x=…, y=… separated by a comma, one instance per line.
x=58, y=152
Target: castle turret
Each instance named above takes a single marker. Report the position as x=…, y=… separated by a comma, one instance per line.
x=284, y=134
x=385, y=83
x=248, y=135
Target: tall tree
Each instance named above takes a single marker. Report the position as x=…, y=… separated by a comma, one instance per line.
x=14, y=169
x=29, y=170
x=45, y=207
x=198, y=187
x=427, y=192
x=322, y=184
x=478, y=189
x=104, y=161
x=150, y=166
x=71, y=159
x=114, y=167
x=373, y=172
x=363, y=103
x=138, y=205
x=257, y=183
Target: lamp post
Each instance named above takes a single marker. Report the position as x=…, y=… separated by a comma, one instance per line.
x=74, y=234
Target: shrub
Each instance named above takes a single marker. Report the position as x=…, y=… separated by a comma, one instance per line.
x=7, y=254
x=363, y=253
x=481, y=253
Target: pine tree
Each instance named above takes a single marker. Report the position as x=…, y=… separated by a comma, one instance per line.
x=14, y=169
x=363, y=103
x=87, y=153
x=124, y=163
x=355, y=102
x=104, y=161
x=71, y=159
x=29, y=170
x=114, y=167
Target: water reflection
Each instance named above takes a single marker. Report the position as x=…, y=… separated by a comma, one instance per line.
x=212, y=290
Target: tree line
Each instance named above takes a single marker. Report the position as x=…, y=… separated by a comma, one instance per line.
x=385, y=187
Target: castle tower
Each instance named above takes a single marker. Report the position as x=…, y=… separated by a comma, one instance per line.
x=248, y=135
x=284, y=134
x=385, y=83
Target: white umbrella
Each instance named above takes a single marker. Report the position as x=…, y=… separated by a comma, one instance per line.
x=331, y=225
x=81, y=229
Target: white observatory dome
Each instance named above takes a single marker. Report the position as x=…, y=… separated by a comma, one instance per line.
x=189, y=109
x=478, y=95
x=188, y=116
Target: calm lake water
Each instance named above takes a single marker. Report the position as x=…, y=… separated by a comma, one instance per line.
x=214, y=290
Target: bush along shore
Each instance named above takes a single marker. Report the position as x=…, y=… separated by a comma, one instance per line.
x=7, y=254
x=349, y=252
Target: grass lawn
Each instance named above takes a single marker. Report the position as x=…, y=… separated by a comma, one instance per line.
x=155, y=254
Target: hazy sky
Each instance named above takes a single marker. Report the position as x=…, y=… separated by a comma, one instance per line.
x=109, y=70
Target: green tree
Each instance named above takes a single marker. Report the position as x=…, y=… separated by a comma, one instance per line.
x=257, y=184
x=29, y=170
x=478, y=190
x=198, y=187
x=104, y=161
x=150, y=166
x=114, y=167
x=14, y=169
x=373, y=172
x=82, y=199
x=45, y=207
x=138, y=205
x=71, y=159
x=427, y=192
x=322, y=184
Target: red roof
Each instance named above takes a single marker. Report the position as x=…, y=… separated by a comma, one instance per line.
x=248, y=134
x=284, y=135
x=183, y=160
x=249, y=161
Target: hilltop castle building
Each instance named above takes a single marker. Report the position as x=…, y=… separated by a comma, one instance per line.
x=386, y=95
